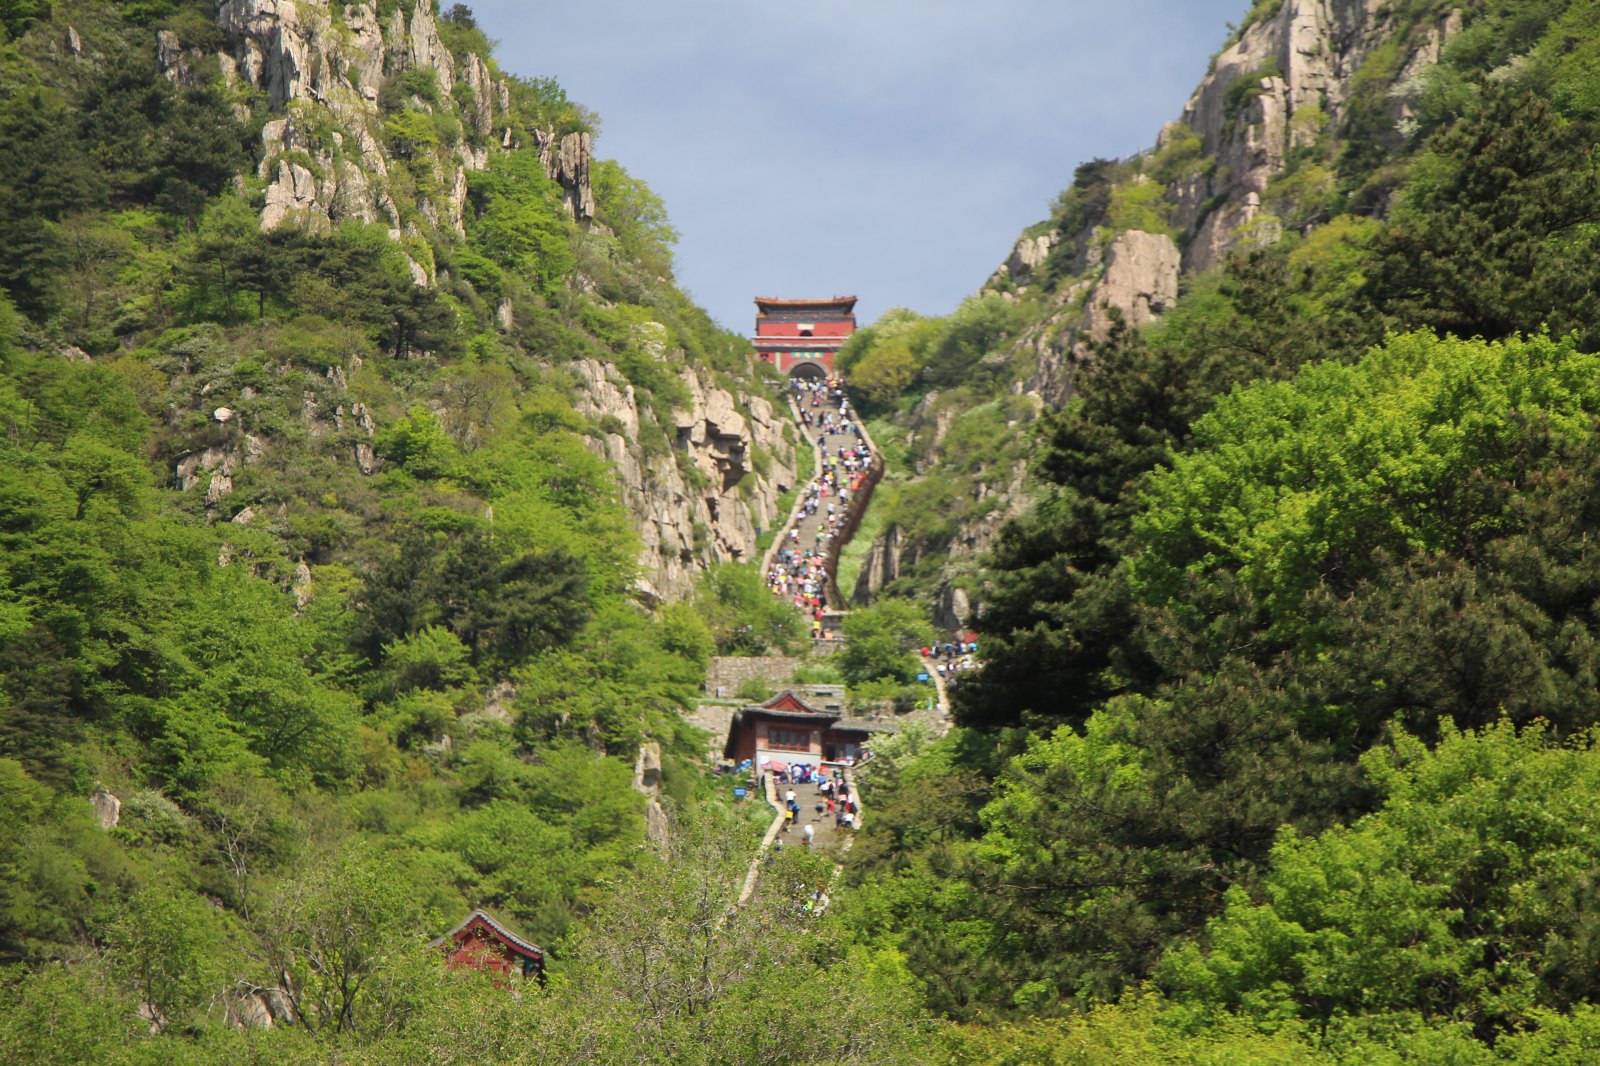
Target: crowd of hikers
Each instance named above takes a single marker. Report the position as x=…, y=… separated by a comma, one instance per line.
x=952, y=658
x=833, y=799
x=800, y=569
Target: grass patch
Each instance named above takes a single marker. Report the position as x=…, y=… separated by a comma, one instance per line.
x=854, y=554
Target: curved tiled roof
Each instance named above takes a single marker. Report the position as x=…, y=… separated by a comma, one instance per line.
x=506, y=936
x=846, y=302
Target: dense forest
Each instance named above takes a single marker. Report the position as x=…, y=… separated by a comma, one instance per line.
x=322, y=616
x=320, y=575
x=1282, y=744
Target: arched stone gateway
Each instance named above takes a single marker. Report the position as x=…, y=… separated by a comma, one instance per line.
x=808, y=371
x=793, y=333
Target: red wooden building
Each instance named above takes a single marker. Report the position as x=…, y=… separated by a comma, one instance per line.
x=788, y=730
x=801, y=337
x=485, y=944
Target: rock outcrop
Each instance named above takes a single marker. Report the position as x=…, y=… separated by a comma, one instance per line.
x=893, y=553
x=1303, y=61
x=1281, y=94
x=1285, y=81
x=700, y=503
x=323, y=158
x=700, y=481
x=107, y=808
x=647, y=780
x=952, y=610
x=215, y=466
x=1026, y=258
x=1138, y=281
x=249, y=1006
x=322, y=68
x=881, y=566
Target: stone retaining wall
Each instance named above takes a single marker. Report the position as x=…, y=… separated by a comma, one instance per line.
x=727, y=672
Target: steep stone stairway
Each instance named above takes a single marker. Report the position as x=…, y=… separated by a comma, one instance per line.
x=800, y=534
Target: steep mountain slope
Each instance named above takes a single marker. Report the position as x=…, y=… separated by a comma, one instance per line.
x=1306, y=117
x=391, y=119
x=1305, y=578
x=383, y=123
x=357, y=452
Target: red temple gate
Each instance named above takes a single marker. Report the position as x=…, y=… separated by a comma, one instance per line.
x=801, y=337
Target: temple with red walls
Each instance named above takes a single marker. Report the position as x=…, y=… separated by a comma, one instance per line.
x=801, y=337
x=483, y=943
x=787, y=731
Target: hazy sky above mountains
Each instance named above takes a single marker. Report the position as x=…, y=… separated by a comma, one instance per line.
x=893, y=149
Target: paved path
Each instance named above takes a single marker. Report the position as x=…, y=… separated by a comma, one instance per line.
x=800, y=534
x=827, y=838
x=940, y=719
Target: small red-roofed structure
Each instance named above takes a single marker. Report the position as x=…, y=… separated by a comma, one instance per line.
x=484, y=943
x=801, y=337
x=788, y=730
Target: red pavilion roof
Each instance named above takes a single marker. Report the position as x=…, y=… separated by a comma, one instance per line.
x=843, y=304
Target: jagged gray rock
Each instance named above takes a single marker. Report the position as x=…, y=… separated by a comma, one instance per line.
x=107, y=808
x=566, y=160
x=302, y=59
x=301, y=585
x=881, y=566
x=1140, y=282
x=1286, y=79
x=702, y=504
x=1304, y=58
x=323, y=160
x=174, y=63
x=952, y=610
x=647, y=779
x=1026, y=257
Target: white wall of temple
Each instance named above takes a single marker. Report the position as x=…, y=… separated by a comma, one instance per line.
x=790, y=758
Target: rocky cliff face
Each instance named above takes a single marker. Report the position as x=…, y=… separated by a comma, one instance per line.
x=1286, y=80
x=327, y=73
x=702, y=504
x=1302, y=62
x=1283, y=91
x=322, y=67
x=955, y=596
x=1139, y=281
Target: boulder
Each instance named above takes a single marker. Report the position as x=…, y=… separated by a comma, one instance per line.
x=302, y=586
x=107, y=808
x=647, y=768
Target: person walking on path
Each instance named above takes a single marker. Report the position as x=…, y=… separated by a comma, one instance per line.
x=811, y=831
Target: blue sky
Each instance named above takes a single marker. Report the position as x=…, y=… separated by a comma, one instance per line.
x=893, y=149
